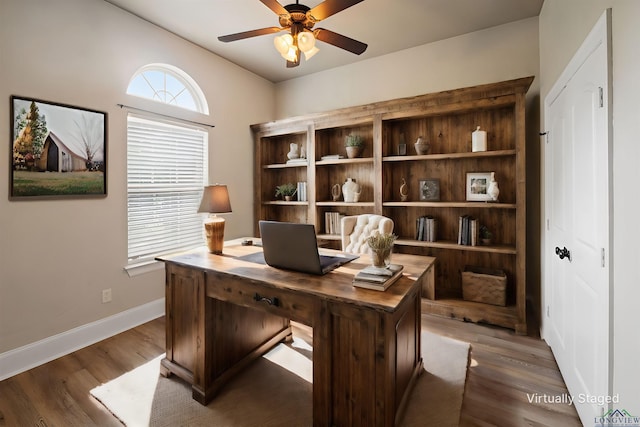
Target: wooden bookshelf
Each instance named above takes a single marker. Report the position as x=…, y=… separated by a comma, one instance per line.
x=445, y=120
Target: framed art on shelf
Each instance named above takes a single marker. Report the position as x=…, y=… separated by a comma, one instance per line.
x=57, y=151
x=477, y=186
x=429, y=190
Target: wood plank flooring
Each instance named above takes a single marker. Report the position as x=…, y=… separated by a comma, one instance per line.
x=506, y=368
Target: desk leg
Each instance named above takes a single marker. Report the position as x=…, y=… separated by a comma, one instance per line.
x=364, y=363
x=208, y=341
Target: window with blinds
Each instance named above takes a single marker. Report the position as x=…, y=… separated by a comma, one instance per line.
x=166, y=172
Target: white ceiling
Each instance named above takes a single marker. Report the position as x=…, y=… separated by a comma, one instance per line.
x=385, y=25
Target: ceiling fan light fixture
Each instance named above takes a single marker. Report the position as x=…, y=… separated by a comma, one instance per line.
x=309, y=53
x=306, y=41
x=281, y=44
x=298, y=21
x=291, y=55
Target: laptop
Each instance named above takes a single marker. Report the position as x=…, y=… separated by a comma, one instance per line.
x=293, y=246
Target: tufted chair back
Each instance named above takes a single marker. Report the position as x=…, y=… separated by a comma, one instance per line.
x=356, y=229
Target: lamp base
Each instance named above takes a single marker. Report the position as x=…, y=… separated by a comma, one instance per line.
x=214, y=230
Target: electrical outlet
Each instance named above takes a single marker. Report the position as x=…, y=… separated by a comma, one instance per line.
x=106, y=295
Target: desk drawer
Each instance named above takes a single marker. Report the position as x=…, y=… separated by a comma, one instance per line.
x=252, y=294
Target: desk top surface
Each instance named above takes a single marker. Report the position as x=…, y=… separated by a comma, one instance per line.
x=335, y=285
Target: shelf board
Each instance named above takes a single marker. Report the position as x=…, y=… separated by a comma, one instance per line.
x=447, y=156
x=285, y=165
x=481, y=205
x=443, y=244
x=329, y=203
x=283, y=203
x=344, y=161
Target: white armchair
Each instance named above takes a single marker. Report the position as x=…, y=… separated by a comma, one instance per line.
x=356, y=229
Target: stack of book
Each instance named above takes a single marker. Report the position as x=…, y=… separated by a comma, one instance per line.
x=376, y=278
x=468, y=229
x=302, y=191
x=426, y=228
x=332, y=157
x=298, y=161
x=332, y=222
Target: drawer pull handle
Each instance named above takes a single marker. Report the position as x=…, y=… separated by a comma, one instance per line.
x=271, y=301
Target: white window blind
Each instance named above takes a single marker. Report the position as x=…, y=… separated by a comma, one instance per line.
x=166, y=170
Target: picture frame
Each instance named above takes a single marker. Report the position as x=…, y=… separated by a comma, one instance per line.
x=429, y=189
x=57, y=150
x=477, y=186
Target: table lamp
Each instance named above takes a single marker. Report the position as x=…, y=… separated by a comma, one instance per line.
x=215, y=200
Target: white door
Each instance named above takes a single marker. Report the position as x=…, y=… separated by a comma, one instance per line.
x=577, y=203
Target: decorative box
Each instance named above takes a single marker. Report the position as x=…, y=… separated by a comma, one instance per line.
x=486, y=285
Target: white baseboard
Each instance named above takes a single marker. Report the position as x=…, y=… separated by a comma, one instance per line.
x=35, y=354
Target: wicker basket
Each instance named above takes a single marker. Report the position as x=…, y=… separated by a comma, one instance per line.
x=484, y=285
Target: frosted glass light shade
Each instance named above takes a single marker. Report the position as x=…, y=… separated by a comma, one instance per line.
x=291, y=55
x=281, y=44
x=306, y=41
x=309, y=53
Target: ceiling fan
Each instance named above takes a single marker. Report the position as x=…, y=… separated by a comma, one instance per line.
x=299, y=20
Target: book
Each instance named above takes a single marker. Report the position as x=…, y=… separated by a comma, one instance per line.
x=332, y=222
x=302, y=191
x=468, y=230
x=378, y=278
x=332, y=157
x=297, y=161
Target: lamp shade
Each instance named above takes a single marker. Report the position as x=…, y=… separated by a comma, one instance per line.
x=215, y=199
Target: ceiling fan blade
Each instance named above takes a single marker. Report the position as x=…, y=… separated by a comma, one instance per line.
x=330, y=7
x=340, y=41
x=275, y=6
x=247, y=34
x=293, y=64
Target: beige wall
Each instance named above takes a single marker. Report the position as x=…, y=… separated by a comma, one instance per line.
x=57, y=256
x=563, y=26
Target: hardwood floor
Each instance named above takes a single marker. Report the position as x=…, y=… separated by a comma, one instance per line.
x=505, y=370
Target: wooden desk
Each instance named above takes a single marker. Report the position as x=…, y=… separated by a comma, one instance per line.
x=223, y=312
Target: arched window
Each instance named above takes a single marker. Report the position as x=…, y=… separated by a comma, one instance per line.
x=168, y=85
x=166, y=168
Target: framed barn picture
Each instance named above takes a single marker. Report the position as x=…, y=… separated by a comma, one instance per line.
x=57, y=151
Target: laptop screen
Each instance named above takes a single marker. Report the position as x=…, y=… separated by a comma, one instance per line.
x=293, y=246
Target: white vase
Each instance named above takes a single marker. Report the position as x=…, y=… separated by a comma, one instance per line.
x=493, y=189
x=350, y=190
x=293, y=151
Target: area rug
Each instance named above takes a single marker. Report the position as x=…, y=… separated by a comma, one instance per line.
x=283, y=394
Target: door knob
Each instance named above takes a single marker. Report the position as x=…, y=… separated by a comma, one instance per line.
x=563, y=253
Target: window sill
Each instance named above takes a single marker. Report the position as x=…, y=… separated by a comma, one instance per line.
x=145, y=267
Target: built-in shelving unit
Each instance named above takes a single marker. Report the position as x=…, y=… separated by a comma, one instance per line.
x=445, y=120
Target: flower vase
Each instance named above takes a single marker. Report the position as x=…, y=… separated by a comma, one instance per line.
x=381, y=258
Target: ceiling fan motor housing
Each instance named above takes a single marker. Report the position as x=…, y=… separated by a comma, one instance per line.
x=297, y=14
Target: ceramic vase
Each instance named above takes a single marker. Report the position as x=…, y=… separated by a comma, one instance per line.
x=421, y=146
x=493, y=189
x=293, y=151
x=350, y=190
